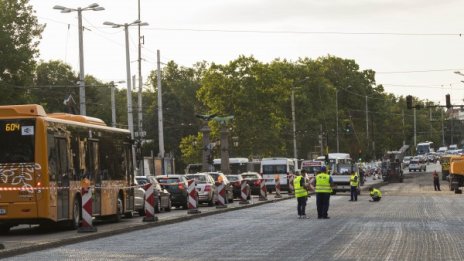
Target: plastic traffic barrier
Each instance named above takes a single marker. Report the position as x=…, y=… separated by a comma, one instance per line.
x=244, y=193
x=221, y=194
x=262, y=191
x=192, y=198
x=149, y=203
x=86, y=224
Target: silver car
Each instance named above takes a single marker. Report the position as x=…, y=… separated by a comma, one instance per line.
x=162, y=196
x=205, y=186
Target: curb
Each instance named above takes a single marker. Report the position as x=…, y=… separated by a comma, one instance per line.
x=18, y=251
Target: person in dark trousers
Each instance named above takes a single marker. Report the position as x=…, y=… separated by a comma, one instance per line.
x=301, y=194
x=436, y=181
x=375, y=194
x=354, y=186
x=323, y=190
x=362, y=175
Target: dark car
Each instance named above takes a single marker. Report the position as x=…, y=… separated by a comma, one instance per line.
x=254, y=180
x=163, y=197
x=227, y=184
x=236, y=181
x=176, y=185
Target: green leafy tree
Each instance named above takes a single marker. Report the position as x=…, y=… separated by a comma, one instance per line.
x=54, y=82
x=19, y=39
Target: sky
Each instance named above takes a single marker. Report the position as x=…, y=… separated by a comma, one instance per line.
x=414, y=46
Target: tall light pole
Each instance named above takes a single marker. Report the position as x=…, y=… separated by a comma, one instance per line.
x=92, y=7
x=130, y=120
x=113, y=102
x=295, y=154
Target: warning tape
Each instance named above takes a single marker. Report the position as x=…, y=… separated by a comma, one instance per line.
x=28, y=188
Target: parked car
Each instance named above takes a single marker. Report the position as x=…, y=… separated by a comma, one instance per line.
x=236, y=181
x=205, y=186
x=162, y=196
x=139, y=197
x=254, y=179
x=177, y=186
x=227, y=184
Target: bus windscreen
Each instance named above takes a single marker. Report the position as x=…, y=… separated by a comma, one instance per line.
x=17, y=140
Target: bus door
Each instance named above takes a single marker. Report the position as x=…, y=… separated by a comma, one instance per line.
x=95, y=175
x=62, y=177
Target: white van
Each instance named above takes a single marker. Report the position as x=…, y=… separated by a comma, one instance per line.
x=270, y=167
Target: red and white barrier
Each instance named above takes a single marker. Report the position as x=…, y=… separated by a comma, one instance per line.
x=291, y=189
x=262, y=191
x=244, y=193
x=86, y=224
x=221, y=195
x=277, y=187
x=149, y=203
x=192, y=198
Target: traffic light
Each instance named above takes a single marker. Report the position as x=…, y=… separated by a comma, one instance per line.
x=448, y=101
x=348, y=127
x=409, y=102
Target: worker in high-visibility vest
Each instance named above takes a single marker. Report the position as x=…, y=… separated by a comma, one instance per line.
x=301, y=193
x=375, y=194
x=354, y=180
x=323, y=190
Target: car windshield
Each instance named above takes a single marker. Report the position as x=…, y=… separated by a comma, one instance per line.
x=215, y=176
x=197, y=178
x=249, y=176
x=142, y=181
x=168, y=180
x=232, y=178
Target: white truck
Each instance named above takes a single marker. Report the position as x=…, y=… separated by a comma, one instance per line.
x=341, y=167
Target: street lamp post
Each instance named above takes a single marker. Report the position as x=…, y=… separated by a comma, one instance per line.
x=113, y=102
x=130, y=120
x=92, y=7
x=295, y=153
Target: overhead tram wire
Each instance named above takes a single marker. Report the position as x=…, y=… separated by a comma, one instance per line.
x=301, y=32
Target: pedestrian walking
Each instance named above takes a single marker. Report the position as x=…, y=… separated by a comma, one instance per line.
x=354, y=180
x=375, y=194
x=301, y=194
x=323, y=190
x=436, y=181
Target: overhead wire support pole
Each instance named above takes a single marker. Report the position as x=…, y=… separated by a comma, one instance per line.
x=160, y=107
x=140, y=96
x=91, y=7
x=367, y=124
x=336, y=110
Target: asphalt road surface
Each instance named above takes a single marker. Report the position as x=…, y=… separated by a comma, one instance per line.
x=411, y=222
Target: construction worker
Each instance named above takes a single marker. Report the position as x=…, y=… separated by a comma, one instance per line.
x=375, y=194
x=436, y=181
x=354, y=180
x=323, y=190
x=301, y=193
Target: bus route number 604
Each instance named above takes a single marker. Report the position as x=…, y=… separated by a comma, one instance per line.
x=12, y=127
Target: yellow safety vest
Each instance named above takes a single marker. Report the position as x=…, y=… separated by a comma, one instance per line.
x=299, y=190
x=323, y=183
x=354, y=180
x=376, y=193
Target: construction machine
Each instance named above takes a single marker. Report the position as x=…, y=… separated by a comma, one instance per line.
x=456, y=174
x=392, y=169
